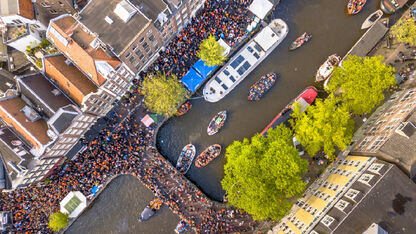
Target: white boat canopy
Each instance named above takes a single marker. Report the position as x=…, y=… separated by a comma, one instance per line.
x=266, y=38
x=225, y=45
x=260, y=8
x=73, y=204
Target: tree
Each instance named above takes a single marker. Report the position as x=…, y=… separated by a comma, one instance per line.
x=163, y=94
x=325, y=125
x=361, y=82
x=211, y=52
x=262, y=174
x=405, y=31
x=58, y=221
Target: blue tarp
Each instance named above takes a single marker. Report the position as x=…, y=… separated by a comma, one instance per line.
x=203, y=70
x=192, y=80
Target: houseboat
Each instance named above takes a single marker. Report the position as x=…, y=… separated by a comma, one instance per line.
x=245, y=61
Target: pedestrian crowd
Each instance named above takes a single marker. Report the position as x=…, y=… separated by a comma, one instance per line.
x=223, y=18
x=126, y=147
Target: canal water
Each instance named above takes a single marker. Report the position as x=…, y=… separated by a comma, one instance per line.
x=333, y=31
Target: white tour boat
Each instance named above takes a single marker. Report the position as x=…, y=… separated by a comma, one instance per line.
x=245, y=60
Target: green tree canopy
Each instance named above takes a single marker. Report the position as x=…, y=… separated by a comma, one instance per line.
x=405, y=31
x=262, y=174
x=163, y=94
x=362, y=82
x=211, y=52
x=58, y=221
x=325, y=125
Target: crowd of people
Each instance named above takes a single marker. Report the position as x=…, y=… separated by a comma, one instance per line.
x=126, y=147
x=223, y=18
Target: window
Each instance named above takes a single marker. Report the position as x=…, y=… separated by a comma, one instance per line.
x=379, y=141
x=224, y=86
x=138, y=53
x=352, y=193
x=218, y=80
x=152, y=38
x=141, y=40
x=53, y=12
x=149, y=32
x=128, y=55
x=237, y=61
x=232, y=79
x=131, y=60
x=134, y=47
x=327, y=220
x=365, y=178
x=145, y=45
x=44, y=4
x=244, y=68
x=375, y=167
x=179, y=22
x=257, y=48
x=250, y=49
x=256, y=55
x=408, y=95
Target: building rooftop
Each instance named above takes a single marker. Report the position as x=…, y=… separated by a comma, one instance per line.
x=14, y=108
x=24, y=8
x=7, y=81
x=44, y=13
x=391, y=204
x=78, y=44
x=403, y=147
x=68, y=77
x=118, y=34
x=14, y=151
x=150, y=8
x=42, y=94
x=63, y=118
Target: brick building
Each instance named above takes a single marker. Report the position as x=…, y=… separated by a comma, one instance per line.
x=390, y=132
x=136, y=30
x=100, y=68
x=352, y=196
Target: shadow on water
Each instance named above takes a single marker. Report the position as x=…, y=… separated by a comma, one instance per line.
x=333, y=32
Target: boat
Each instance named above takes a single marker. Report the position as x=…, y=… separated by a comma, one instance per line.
x=209, y=154
x=305, y=37
x=372, y=19
x=258, y=89
x=181, y=227
x=326, y=68
x=391, y=6
x=184, y=108
x=355, y=6
x=216, y=123
x=305, y=98
x=245, y=60
x=186, y=158
x=150, y=209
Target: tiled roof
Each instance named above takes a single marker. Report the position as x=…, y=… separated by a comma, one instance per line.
x=37, y=128
x=69, y=78
x=79, y=48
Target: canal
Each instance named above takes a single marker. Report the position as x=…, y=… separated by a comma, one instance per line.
x=333, y=32
x=117, y=208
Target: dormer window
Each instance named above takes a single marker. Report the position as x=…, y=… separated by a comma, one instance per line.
x=352, y=193
x=366, y=178
x=375, y=168
x=341, y=205
x=125, y=11
x=327, y=220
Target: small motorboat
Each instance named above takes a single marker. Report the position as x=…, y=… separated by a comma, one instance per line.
x=216, y=123
x=181, y=227
x=150, y=209
x=209, y=154
x=305, y=37
x=186, y=158
x=372, y=19
x=327, y=67
x=184, y=108
x=355, y=6
x=258, y=89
